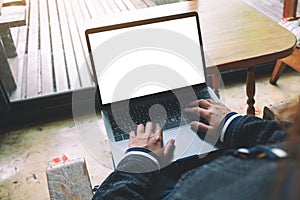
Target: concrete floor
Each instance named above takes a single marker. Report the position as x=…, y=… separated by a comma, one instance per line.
x=28, y=151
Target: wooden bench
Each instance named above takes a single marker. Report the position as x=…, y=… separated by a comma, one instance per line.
x=53, y=55
x=13, y=14
x=13, y=3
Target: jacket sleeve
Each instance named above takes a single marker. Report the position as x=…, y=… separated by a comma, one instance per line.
x=131, y=180
x=249, y=131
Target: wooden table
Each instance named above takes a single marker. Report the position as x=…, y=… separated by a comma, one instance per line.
x=241, y=37
x=235, y=35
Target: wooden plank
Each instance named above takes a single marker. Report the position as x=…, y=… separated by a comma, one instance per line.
x=99, y=7
x=68, y=47
x=14, y=3
x=129, y=5
x=61, y=79
x=74, y=38
x=32, y=51
x=121, y=5
x=84, y=12
x=20, y=38
x=15, y=33
x=39, y=73
x=150, y=3
x=13, y=16
x=24, y=77
x=106, y=7
x=75, y=26
x=21, y=42
x=17, y=94
x=85, y=66
x=91, y=8
x=45, y=49
x=20, y=62
x=113, y=6
x=278, y=110
x=69, y=180
x=139, y=4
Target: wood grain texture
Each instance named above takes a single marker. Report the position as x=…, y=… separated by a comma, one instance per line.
x=236, y=41
x=71, y=70
x=277, y=111
x=21, y=66
x=32, y=51
x=13, y=16
x=290, y=8
x=271, y=8
x=80, y=15
x=58, y=52
x=47, y=81
x=14, y=3
x=69, y=180
x=232, y=37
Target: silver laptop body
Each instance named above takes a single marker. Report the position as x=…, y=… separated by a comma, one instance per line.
x=150, y=70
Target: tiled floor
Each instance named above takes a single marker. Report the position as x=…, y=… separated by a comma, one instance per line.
x=28, y=151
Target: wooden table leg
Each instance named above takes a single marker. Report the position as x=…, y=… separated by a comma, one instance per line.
x=250, y=89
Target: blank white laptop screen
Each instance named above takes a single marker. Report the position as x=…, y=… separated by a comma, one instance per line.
x=127, y=63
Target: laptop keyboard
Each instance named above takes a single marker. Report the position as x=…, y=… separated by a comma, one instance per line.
x=167, y=113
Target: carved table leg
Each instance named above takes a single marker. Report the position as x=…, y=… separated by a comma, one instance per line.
x=250, y=89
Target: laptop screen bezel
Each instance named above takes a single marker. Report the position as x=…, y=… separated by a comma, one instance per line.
x=133, y=24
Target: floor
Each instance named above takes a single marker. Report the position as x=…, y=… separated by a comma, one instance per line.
x=27, y=151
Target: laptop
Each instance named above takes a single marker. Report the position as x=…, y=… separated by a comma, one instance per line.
x=150, y=70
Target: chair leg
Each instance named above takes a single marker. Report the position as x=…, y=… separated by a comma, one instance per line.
x=278, y=70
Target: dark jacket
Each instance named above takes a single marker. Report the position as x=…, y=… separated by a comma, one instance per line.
x=226, y=177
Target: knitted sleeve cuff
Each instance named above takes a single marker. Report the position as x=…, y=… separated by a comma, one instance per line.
x=229, y=121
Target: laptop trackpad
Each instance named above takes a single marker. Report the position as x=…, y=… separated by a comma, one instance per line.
x=187, y=142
